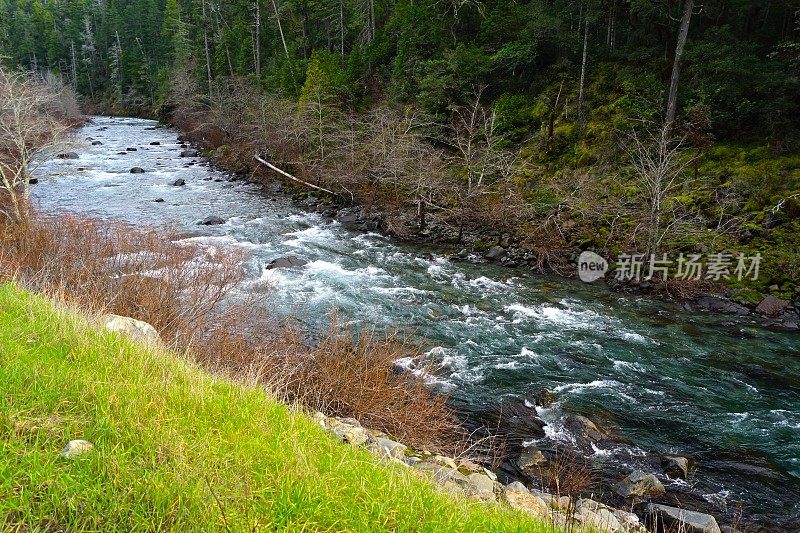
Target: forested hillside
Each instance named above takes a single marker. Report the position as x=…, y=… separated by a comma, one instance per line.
x=552, y=126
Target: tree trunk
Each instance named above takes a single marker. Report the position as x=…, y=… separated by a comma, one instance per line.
x=581, y=110
x=207, y=52
x=257, y=39
x=672, y=102
x=280, y=28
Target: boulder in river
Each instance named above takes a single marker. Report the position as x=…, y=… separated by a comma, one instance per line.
x=97, y=143
x=290, y=261
x=720, y=305
x=531, y=458
x=132, y=149
x=666, y=518
x=67, y=155
x=180, y=182
x=155, y=143
x=584, y=430
x=495, y=253
x=675, y=466
x=212, y=221
x=190, y=153
x=137, y=170
x=639, y=485
x=771, y=306
x=33, y=181
x=159, y=200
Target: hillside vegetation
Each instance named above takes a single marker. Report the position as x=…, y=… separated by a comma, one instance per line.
x=179, y=450
x=554, y=126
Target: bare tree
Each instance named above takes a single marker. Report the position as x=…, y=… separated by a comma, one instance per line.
x=659, y=161
x=30, y=129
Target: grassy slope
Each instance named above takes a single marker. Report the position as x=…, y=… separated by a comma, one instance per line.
x=177, y=449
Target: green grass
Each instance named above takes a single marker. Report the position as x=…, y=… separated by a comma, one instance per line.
x=177, y=449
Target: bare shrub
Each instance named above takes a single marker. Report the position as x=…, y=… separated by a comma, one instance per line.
x=32, y=126
x=567, y=474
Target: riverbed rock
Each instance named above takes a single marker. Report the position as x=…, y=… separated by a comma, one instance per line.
x=544, y=397
x=519, y=497
x=675, y=466
x=584, y=430
x=180, y=182
x=211, y=221
x=155, y=143
x=131, y=149
x=720, y=305
x=159, y=200
x=639, y=485
x=531, y=458
x=136, y=329
x=495, y=253
x=33, y=181
x=748, y=297
x=76, y=448
x=290, y=261
x=675, y=519
x=771, y=306
x=67, y=155
x=97, y=143
x=190, y=153
x=137, y=170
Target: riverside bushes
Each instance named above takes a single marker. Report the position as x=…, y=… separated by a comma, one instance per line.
x=187, y=291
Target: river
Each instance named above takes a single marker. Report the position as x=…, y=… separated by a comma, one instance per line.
x=718, y=389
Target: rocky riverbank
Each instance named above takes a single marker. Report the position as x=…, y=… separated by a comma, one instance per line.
x=466, y=479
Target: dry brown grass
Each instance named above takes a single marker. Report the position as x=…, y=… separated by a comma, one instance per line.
x=184, y=291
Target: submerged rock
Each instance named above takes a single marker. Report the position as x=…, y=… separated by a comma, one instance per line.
x=155, y=143
x=97, y=143
x=289, y=261
x=180, y=182
x=76, y=448
x=137, y=329
x=211, y=221
x=137, y=170
x=638, y=485
x=674, y=519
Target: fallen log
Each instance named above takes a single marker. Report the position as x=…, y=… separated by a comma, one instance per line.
x=284, y=173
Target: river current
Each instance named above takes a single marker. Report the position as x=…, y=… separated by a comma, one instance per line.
x=718, y=389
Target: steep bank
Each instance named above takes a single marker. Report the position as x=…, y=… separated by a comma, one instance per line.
x=176, y=449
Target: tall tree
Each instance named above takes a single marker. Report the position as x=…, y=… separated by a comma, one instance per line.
x=683, y=33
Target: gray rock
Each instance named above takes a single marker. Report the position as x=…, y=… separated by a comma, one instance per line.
x=76, y=448
x=771, y=306
x=673, y=518
x=531, y=458
x=159, y=200
x=131, y=149
x=388, y=449
x=519, y=497
x=180, y=182
x=639, y=485
x=720, y=305
x=211, y=221
x=584, y=430
x=289, y=261
x=137, y=170
x=190, y=153
x=67, y=155
x=137, y=329
x=155, y=143
x=675, y=466
x=97, y=143
x=495, y=253
x=33, y=181
x=348, y=218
